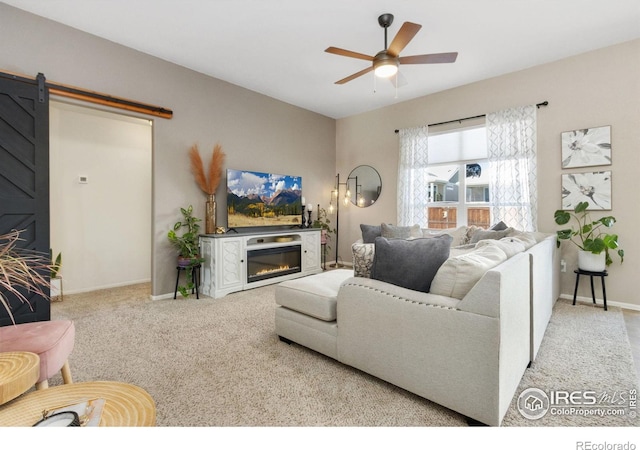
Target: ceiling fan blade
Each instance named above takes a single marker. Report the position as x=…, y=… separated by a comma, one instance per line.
x=433, y=58
x=349, y=53
x=354, y=76
x=404, y=36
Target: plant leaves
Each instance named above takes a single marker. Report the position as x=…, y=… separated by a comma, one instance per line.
x=607, y=221
x=611, y=241
x=595, y=246
x=562, y=217
x=581, y=207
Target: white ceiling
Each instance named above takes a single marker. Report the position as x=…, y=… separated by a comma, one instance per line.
x=276, y=47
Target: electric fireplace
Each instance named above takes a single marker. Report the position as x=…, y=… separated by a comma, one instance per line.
x=273, y=262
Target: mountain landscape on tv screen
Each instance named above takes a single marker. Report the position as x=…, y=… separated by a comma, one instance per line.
x=256, y=199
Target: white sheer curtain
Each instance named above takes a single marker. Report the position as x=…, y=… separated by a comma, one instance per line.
x=511, y=142
x=413, y=177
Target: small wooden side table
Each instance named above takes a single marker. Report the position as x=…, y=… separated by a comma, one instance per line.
x=19, y=372
x=602, y=274
x=126, y=405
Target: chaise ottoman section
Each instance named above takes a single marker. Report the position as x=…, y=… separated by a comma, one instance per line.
x=306, y=312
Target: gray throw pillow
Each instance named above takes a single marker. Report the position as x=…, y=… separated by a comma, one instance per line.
x=411, y=264
x=370, y=233
x=500, y=226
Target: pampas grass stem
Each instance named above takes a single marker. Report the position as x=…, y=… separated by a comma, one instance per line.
x=209, y=185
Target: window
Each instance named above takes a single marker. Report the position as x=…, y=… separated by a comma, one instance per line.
x=458, y=179
x=440, y=174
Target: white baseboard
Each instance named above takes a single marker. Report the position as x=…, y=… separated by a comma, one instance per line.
x=599, y=301
x=106, y=286
x=164, y=296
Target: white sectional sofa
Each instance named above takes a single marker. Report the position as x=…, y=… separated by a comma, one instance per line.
x=467, y=354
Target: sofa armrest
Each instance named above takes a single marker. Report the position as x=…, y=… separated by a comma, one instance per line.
x=507, y=279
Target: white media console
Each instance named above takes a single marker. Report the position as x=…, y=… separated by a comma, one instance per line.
x=238, y=261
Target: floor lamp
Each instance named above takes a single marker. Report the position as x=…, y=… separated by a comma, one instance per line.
x=335, y=196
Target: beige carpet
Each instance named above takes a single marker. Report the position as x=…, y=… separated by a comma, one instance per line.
x=218, y=363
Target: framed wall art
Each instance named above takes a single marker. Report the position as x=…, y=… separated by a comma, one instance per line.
x=586, y=147
x=593, y=187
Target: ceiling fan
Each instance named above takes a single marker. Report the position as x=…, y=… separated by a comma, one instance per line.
x=386, y=62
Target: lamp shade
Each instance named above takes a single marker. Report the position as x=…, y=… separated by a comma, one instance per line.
x=386, y=70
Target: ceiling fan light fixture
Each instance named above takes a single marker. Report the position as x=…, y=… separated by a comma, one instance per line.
x=386, y=69
x=385, y=66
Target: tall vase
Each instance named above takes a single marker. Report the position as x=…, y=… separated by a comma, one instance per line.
x=210, y=215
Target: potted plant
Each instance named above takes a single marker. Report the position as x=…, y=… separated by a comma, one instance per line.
x=323, y=223
x=187, y=245
x=20, y=269
x=56, y=278
x=593, y=243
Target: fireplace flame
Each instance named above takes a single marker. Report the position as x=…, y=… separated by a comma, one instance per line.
x=277, y=269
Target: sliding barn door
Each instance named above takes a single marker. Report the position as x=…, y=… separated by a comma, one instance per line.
x=24, y=177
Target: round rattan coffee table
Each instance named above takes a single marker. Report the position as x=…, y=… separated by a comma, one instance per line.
x=125, y=405
x=19, y=371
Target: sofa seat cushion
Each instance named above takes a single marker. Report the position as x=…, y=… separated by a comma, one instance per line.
x=459, y=274
x=412, y=263
x=315, y=295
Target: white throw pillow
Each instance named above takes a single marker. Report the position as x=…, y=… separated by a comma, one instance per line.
x=459, y=274
x=459, y=234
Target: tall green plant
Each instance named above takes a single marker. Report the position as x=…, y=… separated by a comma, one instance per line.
x=187, y=245
x=587, y=234
x=56, y=264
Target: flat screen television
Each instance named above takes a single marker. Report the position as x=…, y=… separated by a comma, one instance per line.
x=259, y=199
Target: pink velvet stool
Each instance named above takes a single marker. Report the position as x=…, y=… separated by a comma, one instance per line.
x=51, y=340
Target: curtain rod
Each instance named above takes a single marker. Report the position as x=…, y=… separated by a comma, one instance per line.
x=545, y=103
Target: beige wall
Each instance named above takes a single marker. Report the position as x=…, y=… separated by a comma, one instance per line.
x=255, y=131
x=594, y=89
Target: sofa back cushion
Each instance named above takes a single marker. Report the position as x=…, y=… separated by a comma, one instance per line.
x=509, y=246
x=396, y=232
x=459, y=274
x=479, y=235
x=412, y=263
x=459, y=234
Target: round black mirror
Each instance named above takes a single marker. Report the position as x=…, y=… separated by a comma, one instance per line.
x=364, y=186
